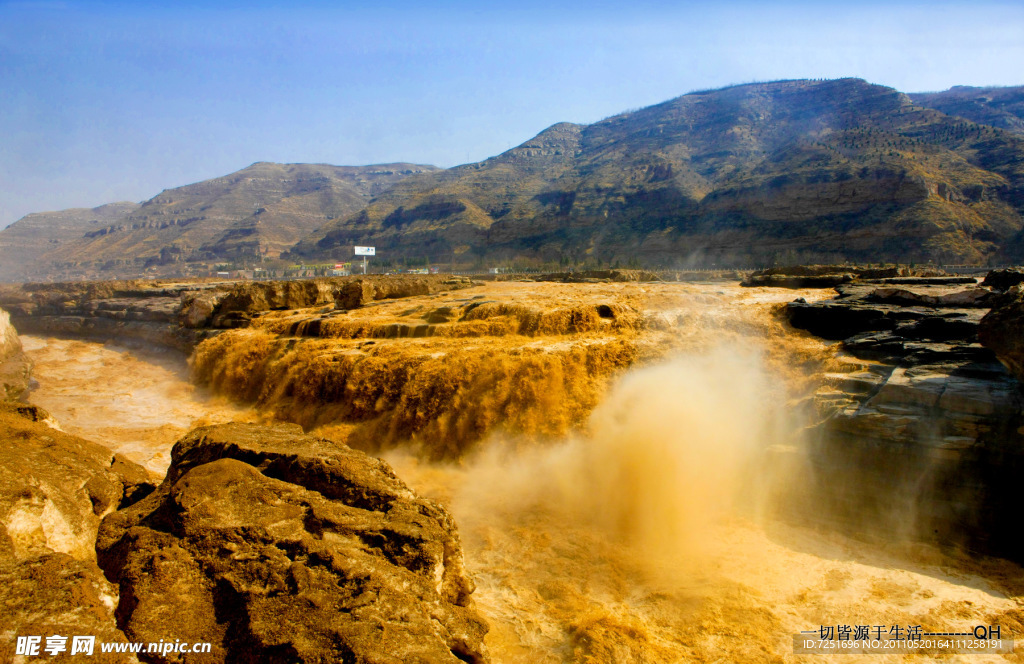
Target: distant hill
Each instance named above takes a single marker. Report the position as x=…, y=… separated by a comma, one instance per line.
x=26, y=241
x=784, y=171
x=258, y=211
x=779, y=172
x=999, y=107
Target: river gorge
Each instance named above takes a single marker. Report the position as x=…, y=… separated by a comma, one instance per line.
x=645, y=501
x=633, y=467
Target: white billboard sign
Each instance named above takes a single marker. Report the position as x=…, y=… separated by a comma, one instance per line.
x=366, y=251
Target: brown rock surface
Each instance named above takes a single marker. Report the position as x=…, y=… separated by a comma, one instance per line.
x=55, y=594
x=278, y=546
x=54, y=489
x=180, y=315
x=1000, y=330
x=15, y=367
x=926, y=422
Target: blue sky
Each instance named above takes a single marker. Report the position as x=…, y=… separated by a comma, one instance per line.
x=108, y=101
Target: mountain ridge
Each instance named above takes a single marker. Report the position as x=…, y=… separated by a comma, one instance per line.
x=255, y=212
x=752, y=174
x=716, y=174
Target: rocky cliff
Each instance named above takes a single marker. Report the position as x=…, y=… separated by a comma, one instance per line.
x=180, y=315
x=1001, y=329
x=919, y=434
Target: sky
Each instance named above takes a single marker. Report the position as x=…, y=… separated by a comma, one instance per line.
x=111, y=101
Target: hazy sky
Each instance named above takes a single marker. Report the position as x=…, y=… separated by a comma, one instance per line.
x=108, y=101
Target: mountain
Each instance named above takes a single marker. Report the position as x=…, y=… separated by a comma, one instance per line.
x=999, y=107
x=258, y=211
x=26, y=241
x=782, y=171
x=750, y=175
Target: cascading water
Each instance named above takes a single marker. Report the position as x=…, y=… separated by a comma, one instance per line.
x=649, y=533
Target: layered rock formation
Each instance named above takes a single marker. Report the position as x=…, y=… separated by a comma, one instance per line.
x=180, y=315
x=1002, y=329
x=277, y=546
x=440, y=371
x=920, y=434
x=54, y=490
x=828, y=276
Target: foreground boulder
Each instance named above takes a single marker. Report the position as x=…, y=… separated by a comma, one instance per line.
x=54, y=489
x=275, y=546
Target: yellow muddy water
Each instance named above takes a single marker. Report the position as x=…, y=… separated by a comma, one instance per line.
x=647, y=535
x=135, y=403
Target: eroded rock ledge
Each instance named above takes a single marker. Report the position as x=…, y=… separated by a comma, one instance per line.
x=828, y=276
x=180, y=315
x=920, y=434
x=279, y=546
x=271, y=545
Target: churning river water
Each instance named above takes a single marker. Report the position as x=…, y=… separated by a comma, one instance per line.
x=643, y=538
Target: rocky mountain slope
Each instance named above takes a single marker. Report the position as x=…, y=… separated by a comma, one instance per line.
x=26, y=241
x=781, y=172
x=255, y=212
x=999, y=107
x=774, y=171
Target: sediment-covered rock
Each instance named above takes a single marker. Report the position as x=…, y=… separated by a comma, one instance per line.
x=198, y=307
x=277, y=546
x=1003, y=280
x=15, y=367
x=54, y=489
x=122, y=311
x=56, y=594
x=179, y=316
